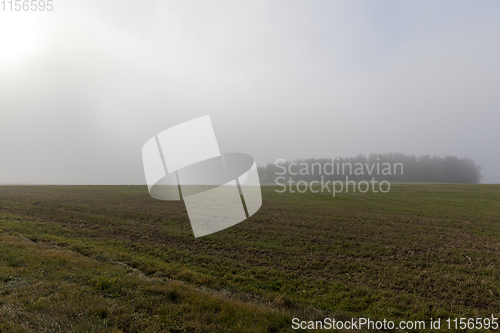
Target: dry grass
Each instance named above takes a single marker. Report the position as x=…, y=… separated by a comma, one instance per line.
x=104, y=258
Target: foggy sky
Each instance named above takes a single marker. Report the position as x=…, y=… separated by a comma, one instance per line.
x=279, y=79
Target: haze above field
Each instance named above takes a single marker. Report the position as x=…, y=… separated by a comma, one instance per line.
x=84, y=86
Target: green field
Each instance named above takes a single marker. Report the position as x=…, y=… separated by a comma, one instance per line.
x=112, y=259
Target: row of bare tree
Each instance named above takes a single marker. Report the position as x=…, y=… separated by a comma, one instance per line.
x=394, y=167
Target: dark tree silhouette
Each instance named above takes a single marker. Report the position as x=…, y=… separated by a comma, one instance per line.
x=394, y=167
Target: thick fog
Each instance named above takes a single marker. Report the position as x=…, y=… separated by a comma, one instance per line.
x=84, y=86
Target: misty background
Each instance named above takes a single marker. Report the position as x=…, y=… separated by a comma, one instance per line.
x=375, y=167
x=83, y=87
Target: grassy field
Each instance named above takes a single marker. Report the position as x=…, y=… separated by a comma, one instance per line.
x=112, y=259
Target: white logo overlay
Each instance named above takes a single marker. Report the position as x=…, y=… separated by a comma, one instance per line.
x=184, y=163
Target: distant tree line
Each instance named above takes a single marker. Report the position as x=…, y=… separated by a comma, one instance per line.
x=393, y=167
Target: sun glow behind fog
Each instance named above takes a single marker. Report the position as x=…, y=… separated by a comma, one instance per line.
x=19, y=36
